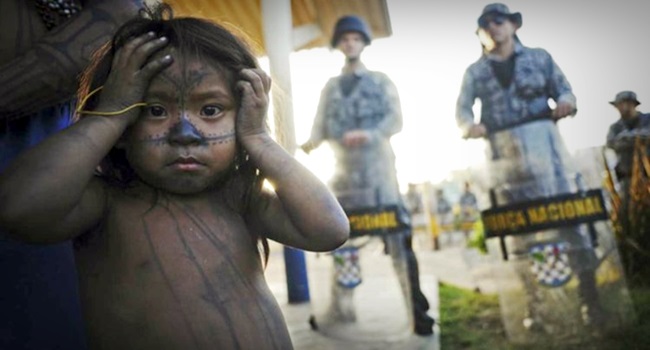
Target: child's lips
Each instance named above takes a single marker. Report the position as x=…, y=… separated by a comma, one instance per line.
x=186, y=164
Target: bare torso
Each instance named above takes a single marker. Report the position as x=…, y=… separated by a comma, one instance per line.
x=176, y=275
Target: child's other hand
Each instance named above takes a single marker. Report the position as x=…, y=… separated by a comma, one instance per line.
x=251, y=117
x=133, y=66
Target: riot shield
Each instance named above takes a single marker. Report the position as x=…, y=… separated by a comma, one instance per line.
x=368, y=281
x=555, y=257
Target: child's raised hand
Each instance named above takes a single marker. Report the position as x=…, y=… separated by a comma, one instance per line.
x=254, y=87
x=134, y=64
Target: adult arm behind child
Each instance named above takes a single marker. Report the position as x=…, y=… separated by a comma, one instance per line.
x=40, y=69
x=49, y=194
x=304, y=213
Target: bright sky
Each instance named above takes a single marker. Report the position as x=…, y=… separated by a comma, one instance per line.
x=601, y=47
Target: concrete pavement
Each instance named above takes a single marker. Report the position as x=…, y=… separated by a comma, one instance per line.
x=382, y=322
x=381, y=309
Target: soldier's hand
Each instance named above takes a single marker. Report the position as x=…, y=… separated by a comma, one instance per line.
x=356, y=138
x=562, y=110
x=476, y=131
x=307, y=147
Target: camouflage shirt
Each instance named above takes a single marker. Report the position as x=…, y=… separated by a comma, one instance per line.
x=528, y=157
x=621, y=137
x=536, y=79
x=364, y=175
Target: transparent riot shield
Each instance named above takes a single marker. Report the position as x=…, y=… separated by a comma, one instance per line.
x=368, y=280
x=555, y=257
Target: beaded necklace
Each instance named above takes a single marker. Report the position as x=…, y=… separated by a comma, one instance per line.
x=55, y=12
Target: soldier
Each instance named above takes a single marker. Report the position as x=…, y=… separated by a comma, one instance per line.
x=621, y=138
x=528, y=159
x=358, y=113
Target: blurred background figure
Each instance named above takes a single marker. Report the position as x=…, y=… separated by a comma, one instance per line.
x=527, y=156
x=621, y=138
x=44, y=46
x=444, y=213
x=359, y=111
x=469, y=212
x=420, y=218
x=622, y=134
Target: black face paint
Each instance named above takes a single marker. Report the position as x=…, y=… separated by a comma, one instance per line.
x=214, y=139
x=185, y=133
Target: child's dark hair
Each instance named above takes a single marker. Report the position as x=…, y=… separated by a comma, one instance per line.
x=191, y=38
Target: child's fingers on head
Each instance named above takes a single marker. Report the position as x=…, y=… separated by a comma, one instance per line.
x=123, y=55
x=256, y=81
x=155, y=65
x=244, y=86
x=143, y=53
x=266, y=79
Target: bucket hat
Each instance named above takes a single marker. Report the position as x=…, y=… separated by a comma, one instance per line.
x=498, y=8
x=625, y=96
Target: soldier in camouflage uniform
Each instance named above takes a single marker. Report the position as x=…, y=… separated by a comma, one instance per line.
x=358, y=113
x=527, y=156
x=621, y=137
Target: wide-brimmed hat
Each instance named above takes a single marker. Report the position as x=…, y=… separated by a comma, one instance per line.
x=350, y=24
x=498, y=8
x=625, y=96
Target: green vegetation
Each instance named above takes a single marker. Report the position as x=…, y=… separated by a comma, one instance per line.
x=477, y=238
x=471, y=320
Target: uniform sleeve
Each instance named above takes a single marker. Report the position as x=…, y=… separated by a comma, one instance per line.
x=318, y=128
x=621, y=140
x=392, y=122
x=465, y=103
x=611, y=137
x=559, y=87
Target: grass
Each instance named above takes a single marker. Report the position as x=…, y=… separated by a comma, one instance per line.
x=470, y=320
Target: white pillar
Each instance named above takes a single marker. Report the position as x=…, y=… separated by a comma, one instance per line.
x=278, y=28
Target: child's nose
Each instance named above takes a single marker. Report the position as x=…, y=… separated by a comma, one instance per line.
x=185, y=133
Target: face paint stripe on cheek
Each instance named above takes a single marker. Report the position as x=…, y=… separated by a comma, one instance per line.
x=219, y=139
x=157, y=139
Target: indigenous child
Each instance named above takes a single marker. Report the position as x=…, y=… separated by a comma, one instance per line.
x=160, y=184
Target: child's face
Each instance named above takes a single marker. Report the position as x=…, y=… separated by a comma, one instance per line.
x=184, y=140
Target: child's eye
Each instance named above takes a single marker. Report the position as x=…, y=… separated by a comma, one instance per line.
x=156, y=111
x=211, y=111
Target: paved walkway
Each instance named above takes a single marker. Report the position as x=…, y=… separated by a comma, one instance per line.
x=380, y=306
x=382, y=319
x=379, y=302
x=457, y=265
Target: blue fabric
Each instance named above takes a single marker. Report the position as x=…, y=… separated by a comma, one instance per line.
x=39, y=300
